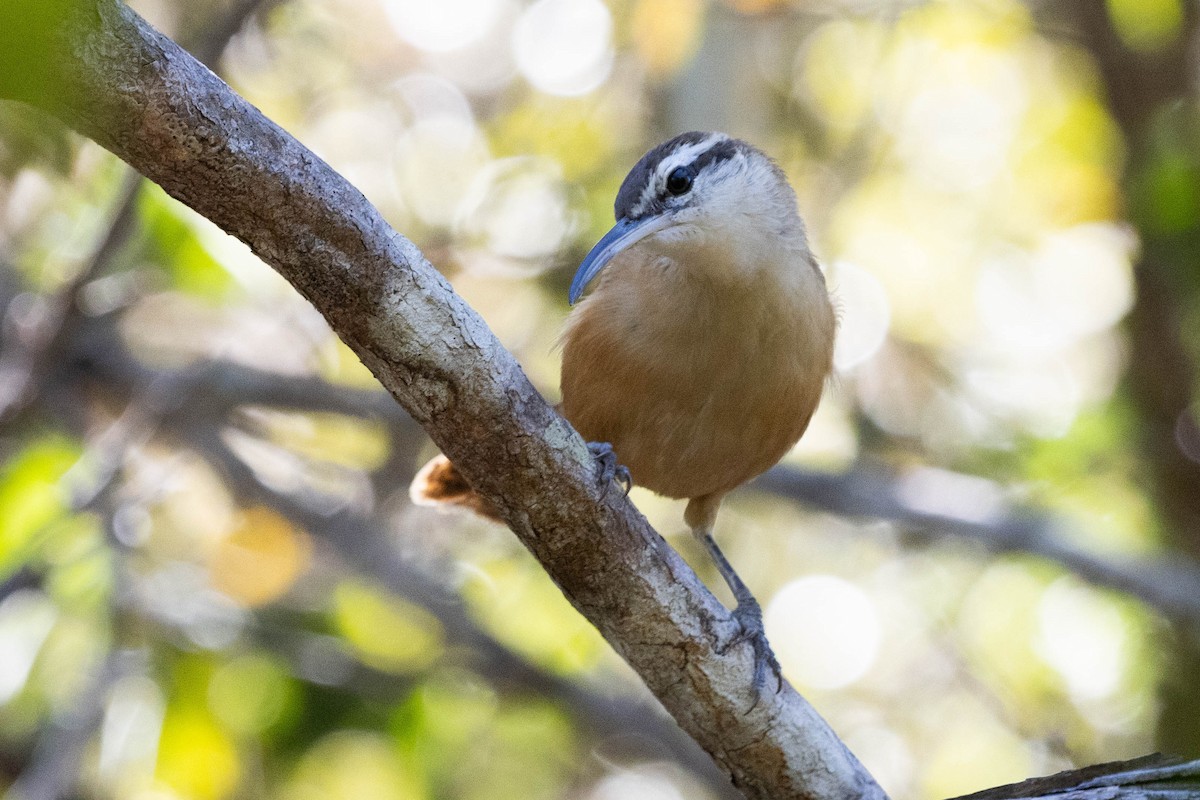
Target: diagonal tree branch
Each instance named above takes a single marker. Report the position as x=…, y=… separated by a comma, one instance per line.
x=105, y=72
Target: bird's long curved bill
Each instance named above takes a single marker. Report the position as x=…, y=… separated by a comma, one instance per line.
x=624, y=234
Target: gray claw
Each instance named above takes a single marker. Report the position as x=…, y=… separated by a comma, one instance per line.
x=610, y=469
x=749, y=616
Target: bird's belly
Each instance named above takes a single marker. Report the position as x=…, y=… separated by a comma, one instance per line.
x=680, y=451
x=690, y=415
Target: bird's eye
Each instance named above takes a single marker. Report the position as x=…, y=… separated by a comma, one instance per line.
x=680, y=180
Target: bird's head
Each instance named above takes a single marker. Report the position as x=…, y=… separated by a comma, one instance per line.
x=701, y=191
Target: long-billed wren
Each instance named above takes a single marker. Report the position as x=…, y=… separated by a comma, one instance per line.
x=702, y=351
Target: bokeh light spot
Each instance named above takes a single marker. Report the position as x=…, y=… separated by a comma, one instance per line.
x=196, y=758
x=516, y=209
x=249, y=693
x=865, y=313
x=261, y=559
x=386, y=632
x=959, y=126
x=825, y=631
x=838, y=71
x=353, y=765
x=133, y=719
x=666, y=33
x=635, y=785
x=1147, y=25
x=564, y=47
x=443, y=25
x=1082, y=636
x=26, y=619
x=1077, y=282
x=436, y=161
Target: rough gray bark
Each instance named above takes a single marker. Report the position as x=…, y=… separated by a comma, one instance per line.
x=1149, y=778
x=105, y=72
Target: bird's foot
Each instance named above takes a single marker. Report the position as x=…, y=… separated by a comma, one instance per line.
x=749, y=615
x=610, y=469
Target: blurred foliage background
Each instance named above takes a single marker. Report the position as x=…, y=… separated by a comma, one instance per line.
x=980, y=563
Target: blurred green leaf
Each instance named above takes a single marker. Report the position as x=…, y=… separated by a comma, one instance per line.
x=524, y=609
x=32, y=138
x=443, y=723
x=534, y=747
x=196, y=758
x=32, y=497
x=354, y=765
x=474, y=746
x=82, y=565
x=251, y=693
x=29, y=46
x=1167, y=199
x=1147, y=25
x=1090, y=475
x=174, y=244
x=386, y=632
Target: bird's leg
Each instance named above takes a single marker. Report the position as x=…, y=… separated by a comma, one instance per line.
x=610, y=469
x=748, y=613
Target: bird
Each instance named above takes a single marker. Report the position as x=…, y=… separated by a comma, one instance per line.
x=699, y=356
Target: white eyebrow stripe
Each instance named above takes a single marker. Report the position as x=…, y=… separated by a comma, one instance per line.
x=680, y=158
x=688, y=153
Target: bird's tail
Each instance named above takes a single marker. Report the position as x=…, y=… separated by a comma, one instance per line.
x=439, y=483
